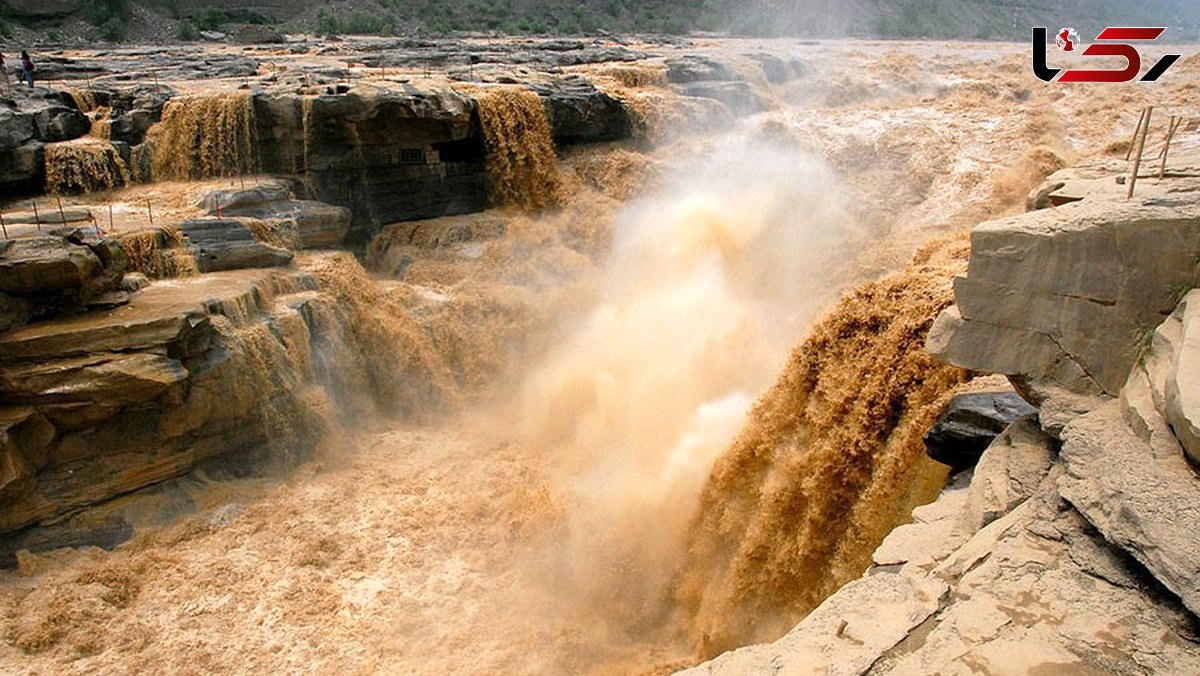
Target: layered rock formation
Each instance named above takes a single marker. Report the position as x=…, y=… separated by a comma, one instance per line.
x=1072, y=546
x=237, y=365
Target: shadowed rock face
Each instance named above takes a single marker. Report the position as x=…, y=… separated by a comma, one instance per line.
x=387, y=155
x=29, y=120
x=970, y=423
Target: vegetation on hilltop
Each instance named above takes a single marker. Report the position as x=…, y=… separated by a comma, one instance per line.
x=953, y=19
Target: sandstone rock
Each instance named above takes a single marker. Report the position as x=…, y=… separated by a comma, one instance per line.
x=114, y=379
x=189, y=370
x=251, y=34
x=23, y=168
x=1034, y=591
x=776, y=70
x=1057, y=297
x=318, y=225
x=1144, y=500
x=229, y=244
x=1008, y=473
x=44, y=265
x=970, y=423
x=387, y=155
x=1182, y=409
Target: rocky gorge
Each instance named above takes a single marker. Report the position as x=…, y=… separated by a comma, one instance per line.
x=487, y=320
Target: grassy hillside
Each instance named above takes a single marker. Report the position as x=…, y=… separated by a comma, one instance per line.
x=961, y=19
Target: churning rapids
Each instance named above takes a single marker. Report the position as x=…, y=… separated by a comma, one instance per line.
x=597, y=490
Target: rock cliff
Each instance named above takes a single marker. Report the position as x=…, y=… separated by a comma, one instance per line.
x=1071, y=546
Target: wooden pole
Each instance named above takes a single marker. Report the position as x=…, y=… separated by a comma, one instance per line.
x=1136, y=129
x=110, y=219
x=150, y=212
x=61, y=214
x=1137, y=158
x=3, y=227
x=1162, y=168
x=36, y=216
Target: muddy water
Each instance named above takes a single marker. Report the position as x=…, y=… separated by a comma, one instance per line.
x=570, y=521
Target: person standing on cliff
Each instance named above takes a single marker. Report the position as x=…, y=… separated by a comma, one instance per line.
x=25, y=72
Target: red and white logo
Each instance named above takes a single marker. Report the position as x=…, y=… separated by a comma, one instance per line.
x=1111, y=42
x=1067, y=40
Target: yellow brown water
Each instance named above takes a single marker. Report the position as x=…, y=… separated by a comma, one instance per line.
x=830, y=460
x=159, y=253
x=204, y=136
x=87, y=165
x=551, y=533
x=520, y=152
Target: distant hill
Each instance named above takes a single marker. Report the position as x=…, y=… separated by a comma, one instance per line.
x=950, y=19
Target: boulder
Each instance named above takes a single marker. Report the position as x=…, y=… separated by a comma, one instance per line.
x=970, y=423
x=230, y=244
x=1058, y=298
x=580, y=113
x=737, y=96
x=45, y=265
x=317, y=225
x=1182, y=409
x=252, y=34
x=697, y=68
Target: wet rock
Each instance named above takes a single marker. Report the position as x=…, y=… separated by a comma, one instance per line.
x=580, y=113
x=128, y=398
x=970, y=423
x=697, y=68
x=389, y=156
x=23, y=169
x=102, y=378
x=230, y=244
x=776, y=70
x=51, y=274
x=318, y=225
x=738, y=97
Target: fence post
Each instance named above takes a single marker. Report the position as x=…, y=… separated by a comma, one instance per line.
x=110, y=219
x=36, y=216
x=1162, y=168
x=61, y=214
x=150, y=212
x=1137, y=158
x=3, y=227
x=1136, y=129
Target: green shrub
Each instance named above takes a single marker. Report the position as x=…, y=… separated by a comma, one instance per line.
x=187, y=31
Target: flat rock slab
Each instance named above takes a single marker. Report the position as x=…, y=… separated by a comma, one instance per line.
x=1146, y=503
x=1059, y=295
x=166, y=314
